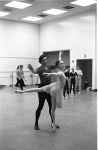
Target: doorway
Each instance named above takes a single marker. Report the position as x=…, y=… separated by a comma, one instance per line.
x=85, y=66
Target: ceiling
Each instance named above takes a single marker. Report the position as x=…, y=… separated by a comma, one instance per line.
x=38, y=6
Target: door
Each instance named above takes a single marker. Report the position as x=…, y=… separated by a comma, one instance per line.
x=86, y=66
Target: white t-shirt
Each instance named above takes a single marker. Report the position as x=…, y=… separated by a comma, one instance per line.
x=79, y=73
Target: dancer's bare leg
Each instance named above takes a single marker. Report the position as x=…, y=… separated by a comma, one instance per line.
x=53, y=112
x=30, y=90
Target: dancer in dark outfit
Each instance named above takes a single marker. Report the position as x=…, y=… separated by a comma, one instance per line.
x=44, y=68
x=73, y=76
x=67, y=84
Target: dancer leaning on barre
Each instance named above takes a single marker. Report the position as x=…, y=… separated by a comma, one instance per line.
x=54, y=89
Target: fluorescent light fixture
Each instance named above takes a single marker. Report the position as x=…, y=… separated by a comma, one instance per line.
x=54, y=11
x=2, y=14
x=19, y=5
x=84, y=2
x=30, y=18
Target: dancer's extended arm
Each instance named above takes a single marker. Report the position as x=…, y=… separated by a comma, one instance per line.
x=52, y=73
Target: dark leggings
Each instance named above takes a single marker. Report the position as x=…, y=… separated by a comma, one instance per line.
x=66, y=88
x=20, y=82
x=42, y=96
x=73, y=82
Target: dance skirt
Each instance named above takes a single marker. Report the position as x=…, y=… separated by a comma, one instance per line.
x=55, y=91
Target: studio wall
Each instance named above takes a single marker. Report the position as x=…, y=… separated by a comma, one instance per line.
x=77, y=33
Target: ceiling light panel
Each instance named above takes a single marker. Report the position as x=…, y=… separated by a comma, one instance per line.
x=19, y=5
x=54, y=11
x=84, y=2
x=2, y=14
x=30, y=18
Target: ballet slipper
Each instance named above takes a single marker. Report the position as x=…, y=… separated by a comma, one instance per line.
x=19, y=91
x=53, y=127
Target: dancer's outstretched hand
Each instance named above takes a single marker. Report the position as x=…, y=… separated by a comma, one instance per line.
x=47, y=74
x=19, y=91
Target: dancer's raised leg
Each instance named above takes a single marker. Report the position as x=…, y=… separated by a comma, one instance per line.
x=30, y=90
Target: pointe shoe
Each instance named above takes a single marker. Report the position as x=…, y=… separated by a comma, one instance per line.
x=19, y=91
x=53, y=127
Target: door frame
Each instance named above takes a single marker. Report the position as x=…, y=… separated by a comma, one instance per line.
x=84, y=78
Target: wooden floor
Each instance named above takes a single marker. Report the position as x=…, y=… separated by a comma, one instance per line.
x=77, y=120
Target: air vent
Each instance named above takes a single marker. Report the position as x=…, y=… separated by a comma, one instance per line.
x=7, y=9
x=42, y=15
x=68, y=7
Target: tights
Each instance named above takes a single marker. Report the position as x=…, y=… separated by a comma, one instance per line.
x=42, y=96
x=66, y=88
x=72, y=83
x=20, y=82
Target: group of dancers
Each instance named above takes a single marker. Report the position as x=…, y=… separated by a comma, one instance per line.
x=52, y=92
x=73, y=80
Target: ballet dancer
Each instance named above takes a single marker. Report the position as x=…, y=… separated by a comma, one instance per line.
x=20, y=77
x=78, y=80
x=54, y=89
x=42, y=96
x=73, y=76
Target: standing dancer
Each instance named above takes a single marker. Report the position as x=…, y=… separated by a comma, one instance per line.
x=67, y=84
x=20, y=77
x=79, y=76
x=73, y=76
x=43, y=81
x=55, y=89
x=16, y=85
